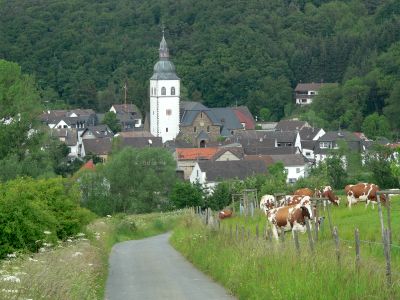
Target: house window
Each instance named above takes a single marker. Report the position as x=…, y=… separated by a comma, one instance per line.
x=194, y=129
x=312, y=93
x=303, y=100
x=169, y=112
x=297, y=170
x=163, y=91
x=308, y=153
x=201, y=115
x=172, y=91
x=208, y=128
x=166, y=129
x=325, y=145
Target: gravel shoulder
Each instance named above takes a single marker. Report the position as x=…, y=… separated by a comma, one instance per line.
x=152, y=269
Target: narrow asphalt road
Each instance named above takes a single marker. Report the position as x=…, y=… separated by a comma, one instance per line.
x=152, y=269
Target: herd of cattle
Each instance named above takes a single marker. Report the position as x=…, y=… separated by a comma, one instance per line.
x=290, y=212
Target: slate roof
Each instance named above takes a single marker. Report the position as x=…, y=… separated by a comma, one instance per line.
x=270, y=150
x=237, y=151
x=290, y=125
x=188, y=116
x=267, y=159
x=195, y=153
x=227, y=117
x=126, y=108
x=290, y=160
x=308, y=133
x=98, y=146
x=142, y=142
x=136, y=133
x=309, y=144
x=308, y=86
x=82, y=115
x=231, y=169
x=69, y=134
x=331, y=136
x=280, y=136
x=267, y=126
x=99, y=131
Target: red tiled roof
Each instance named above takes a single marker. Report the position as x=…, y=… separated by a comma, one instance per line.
x=89, y=165
x=245, y=118
x=196, y=153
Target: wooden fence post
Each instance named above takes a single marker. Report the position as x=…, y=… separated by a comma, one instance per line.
x=310, y=240
x=242, y=233
x=296, y=241
x=336, y=237
x=207, y=215
x=357, y=241
x=237, y=232
x=257, y=232
x=329, y=218
x=389, y=218
x=387, y=257
x=378, y=197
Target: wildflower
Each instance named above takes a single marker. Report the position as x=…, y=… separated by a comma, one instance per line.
x=77, y=254
x=47, y=232
x=32, y=259
x=41, y=250
x=9, y=291
x=108, y=216
x=11, y=255
x=69, y=241
x=11, y=278
x=80, y=234
x=47, y=244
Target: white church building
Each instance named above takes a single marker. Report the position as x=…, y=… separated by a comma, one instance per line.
x=164, y=97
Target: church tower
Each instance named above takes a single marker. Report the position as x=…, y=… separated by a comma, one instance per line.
x=164, y=97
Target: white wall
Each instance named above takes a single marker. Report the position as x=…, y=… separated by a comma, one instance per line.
x=295, y=172
x=159, y=104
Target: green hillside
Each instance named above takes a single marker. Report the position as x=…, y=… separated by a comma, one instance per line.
x=226, y=52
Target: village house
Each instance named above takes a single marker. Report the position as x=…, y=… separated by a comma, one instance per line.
x=76, y=118
x=69, y=137
x=305, y=92
x=128, y=115
x=209, y=173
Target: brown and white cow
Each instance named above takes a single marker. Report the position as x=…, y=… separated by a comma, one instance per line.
x=226, y=213
x=267, y=202
x=362, y=192
x=327, y=192
x=290, y=218
x=323, y=192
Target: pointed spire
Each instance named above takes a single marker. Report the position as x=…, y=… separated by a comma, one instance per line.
x=164, y=53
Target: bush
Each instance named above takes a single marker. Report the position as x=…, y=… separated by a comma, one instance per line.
x=29, y=208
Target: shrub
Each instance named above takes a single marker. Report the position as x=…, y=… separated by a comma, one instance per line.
x=29, y=207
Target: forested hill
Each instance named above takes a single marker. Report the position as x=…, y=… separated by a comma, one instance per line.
x=226, y=52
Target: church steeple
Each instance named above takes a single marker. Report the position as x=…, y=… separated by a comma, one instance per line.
x=164, y=53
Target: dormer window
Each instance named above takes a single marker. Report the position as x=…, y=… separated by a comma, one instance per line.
x=163, y=91
x=172, y=91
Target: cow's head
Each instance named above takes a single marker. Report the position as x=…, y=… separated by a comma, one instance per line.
x=327, y=192
x=306, y=203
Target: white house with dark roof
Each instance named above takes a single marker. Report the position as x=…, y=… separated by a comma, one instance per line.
x=128, y=115
x=305, y=92
x=295, y=165
x=210, y=173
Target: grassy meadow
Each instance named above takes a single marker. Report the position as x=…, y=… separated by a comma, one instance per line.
x=259, y=269
x=76, y=268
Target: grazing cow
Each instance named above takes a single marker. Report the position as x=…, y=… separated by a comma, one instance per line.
x=290, y=218
x=226, y=213
x=293, y=199
x=327, y=192
x=362, y=192
x=267, y=202
x=304, y=192
x=324, y=192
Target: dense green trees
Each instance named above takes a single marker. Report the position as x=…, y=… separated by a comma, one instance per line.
x=250, y=53
x=33, y=212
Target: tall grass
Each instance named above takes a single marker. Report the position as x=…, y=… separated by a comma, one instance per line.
x=259, y=269
x=77, y=269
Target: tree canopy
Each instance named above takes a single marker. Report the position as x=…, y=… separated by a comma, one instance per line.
x=226, y=53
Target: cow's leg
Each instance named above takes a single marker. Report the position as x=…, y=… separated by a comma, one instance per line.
x=275, y=232
x=373, y=204
x=349, y=200
x=366, y=203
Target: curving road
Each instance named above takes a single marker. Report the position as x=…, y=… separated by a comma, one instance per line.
x=152, y=269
